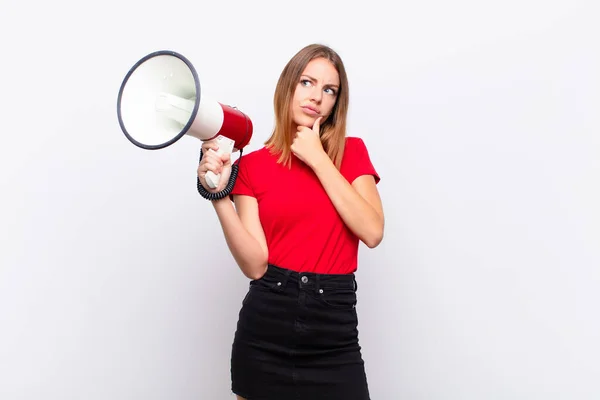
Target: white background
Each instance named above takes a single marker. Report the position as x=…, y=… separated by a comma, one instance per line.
x=481, y=117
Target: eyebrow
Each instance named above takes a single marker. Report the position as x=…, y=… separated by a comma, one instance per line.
x=313, y=79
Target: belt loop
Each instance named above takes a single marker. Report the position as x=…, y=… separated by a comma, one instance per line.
x=282, y=282
x=317, y=283
x=355, y=283
x=285, y=278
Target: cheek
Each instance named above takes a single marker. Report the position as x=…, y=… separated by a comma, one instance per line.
x=300, y=94
x=296, y=99
x=329, y=105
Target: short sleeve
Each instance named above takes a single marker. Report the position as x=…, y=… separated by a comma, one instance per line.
x=242, y=184
x=357, y=161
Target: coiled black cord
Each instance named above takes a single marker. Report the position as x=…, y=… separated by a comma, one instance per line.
x=225, y=192
x=234, y=173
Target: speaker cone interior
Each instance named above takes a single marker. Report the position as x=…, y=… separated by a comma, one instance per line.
x=158, y=100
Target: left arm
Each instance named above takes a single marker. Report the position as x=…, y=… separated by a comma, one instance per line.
x=358, y=204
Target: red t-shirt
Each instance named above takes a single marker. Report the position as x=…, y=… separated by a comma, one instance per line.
x=304, y=232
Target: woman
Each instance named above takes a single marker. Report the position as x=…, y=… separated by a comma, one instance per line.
x=302, y=204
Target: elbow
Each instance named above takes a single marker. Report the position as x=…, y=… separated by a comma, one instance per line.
x=256, y=273
x=256, y=270
x=374, y=238
x=373, y=241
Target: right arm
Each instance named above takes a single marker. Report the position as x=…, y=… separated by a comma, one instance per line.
x=241, y=224
x=244, y=234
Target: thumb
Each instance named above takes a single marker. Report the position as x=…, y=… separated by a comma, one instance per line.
x=317, y=125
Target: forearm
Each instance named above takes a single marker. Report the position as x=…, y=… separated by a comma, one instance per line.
x=358, y=215
x=246, y=250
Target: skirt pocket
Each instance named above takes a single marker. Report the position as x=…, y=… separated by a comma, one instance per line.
x=260, y=285
x=339, y=299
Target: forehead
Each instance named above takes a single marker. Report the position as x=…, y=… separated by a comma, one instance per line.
x=322, y=70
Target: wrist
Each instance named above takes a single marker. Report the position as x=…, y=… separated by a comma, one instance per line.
x=219, y=204
x=320, y=162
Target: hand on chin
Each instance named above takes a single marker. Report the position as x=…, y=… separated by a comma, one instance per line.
x=307, y=144
x=307, y=121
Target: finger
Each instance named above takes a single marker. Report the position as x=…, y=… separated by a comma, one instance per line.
x=207, y=166
x=301, y=130
x=213, y=151
x=210, y=165
x=213, y=157
x=317, y=125
x=216, y=167
x=210, y=142
x=210, y=145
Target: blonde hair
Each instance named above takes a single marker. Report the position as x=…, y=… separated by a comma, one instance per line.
x=333, y=130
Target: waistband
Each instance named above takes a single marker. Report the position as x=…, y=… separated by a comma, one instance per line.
x=283, y=277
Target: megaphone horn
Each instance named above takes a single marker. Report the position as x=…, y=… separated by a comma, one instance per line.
x=160, y=101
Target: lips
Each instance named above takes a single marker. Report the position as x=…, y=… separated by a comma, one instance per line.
x=310, y=110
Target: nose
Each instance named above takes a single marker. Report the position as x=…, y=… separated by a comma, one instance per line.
x=316, y=94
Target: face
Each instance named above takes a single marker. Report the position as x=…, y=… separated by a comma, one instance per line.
x=316, y=93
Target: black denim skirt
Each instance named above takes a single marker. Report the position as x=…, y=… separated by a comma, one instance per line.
x=297, y=339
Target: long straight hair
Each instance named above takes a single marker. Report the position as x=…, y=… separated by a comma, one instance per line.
x=333, y=130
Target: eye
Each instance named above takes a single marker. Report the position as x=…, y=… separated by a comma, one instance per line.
x=305, y=82
x=331, y=91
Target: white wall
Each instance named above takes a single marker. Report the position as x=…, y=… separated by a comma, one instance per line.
x=482, y=118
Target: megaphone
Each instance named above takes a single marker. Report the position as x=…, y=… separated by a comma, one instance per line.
x=160, y=101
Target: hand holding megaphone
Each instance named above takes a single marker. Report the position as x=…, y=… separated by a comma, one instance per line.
x=214, y=169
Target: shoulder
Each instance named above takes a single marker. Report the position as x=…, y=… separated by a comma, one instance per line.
x=354, y=141
x=256, y=153
x=355, y=147
x=248, y=163
x=356, y=160
x=256, y=156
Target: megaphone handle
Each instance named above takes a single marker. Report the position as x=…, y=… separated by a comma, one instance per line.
x=212, y=179
x=227, y=190
x=225, y=146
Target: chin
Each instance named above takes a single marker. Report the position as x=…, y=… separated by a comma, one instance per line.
x=305, y=120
